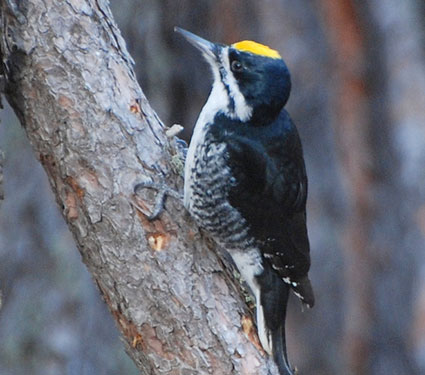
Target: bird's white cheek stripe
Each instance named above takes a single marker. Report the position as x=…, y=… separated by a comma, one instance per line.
x=242, y=110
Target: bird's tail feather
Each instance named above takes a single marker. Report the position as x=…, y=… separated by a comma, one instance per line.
x=274, y=295
x=280, y=354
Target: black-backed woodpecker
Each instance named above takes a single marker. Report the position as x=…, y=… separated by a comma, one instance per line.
x=246, y=182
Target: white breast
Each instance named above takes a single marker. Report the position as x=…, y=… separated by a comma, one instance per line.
x=217, y=102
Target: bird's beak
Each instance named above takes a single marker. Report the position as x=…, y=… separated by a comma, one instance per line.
x=209, y=50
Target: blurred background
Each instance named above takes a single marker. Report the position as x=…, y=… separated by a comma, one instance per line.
x=358, y=99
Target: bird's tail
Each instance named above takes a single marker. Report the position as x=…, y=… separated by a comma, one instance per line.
x=271, y=316
x=280, y=354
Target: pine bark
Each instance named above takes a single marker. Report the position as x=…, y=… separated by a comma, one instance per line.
x=70, y=80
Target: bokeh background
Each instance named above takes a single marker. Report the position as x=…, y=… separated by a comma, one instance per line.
x=358, y=99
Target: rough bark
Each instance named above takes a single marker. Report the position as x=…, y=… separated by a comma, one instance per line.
x=70, y=80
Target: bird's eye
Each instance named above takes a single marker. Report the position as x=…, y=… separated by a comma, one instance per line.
x=236, y=66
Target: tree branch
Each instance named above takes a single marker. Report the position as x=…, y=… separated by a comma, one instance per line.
x=70, y=80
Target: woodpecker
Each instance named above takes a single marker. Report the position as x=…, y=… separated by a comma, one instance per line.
x=246, y=183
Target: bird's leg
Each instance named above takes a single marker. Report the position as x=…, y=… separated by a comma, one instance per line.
x=163, y=191
x=177, y=148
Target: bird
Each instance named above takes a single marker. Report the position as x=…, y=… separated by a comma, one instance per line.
x=245, y=181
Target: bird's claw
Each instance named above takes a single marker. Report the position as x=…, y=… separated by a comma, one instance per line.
x=163, y=190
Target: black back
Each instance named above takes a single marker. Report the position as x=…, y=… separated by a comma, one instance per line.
x=271, y=190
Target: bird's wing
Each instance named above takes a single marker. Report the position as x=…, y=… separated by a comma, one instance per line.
x=271, y=193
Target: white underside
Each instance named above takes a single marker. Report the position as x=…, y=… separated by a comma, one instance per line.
x=215, y=103
x=249, y=266
x=263, y=333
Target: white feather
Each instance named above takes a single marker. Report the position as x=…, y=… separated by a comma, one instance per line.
x=250, y=265
x=242, y=110
x=263, y=333
x=217, y=101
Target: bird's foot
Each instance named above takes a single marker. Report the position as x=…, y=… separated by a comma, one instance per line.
x=163, y=190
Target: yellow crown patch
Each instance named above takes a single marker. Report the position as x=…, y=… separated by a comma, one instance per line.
x=256, y=48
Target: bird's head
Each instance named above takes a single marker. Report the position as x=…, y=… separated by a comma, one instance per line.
x=252, y=76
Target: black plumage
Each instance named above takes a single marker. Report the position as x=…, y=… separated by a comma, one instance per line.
x=270, y=192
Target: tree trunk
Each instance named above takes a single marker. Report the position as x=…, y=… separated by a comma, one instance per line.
x=70, y=80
